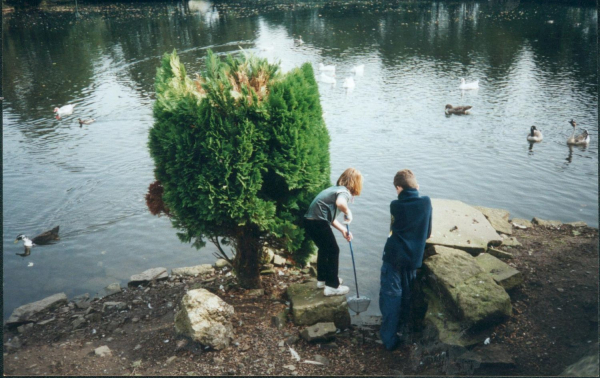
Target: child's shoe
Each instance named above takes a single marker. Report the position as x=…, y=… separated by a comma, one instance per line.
x=321, y=284
x=340, y=290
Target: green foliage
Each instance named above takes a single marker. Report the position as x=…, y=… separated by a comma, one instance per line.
x=243, y=145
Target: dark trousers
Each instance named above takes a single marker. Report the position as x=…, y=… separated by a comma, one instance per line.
x=329, y=253
x=394, y=302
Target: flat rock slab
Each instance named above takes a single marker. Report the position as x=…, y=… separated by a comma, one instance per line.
x=278, y=260
x=472, y=294
x=458, y=225
x=546, y=223
x=500, y=254
x=23, y=314
x=193, y=271
x=489, y=356
x=319, y=331
x=504, y=274
x=498, y=218
x=109, y=290
x=577, y=224
x=586, y=367
x=157, y=274
x=510, y=241
x=309, y=306
x=520, y=223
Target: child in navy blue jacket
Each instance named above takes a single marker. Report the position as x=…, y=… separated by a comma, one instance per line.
x=402, y=254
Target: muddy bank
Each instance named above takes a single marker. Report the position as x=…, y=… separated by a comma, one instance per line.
x=553, y=324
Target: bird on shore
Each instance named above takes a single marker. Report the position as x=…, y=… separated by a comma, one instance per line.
x=86, y=121
x=471, y=85
x=64, y=111
x=535, y=135
x=579, y=140
x=458, y=109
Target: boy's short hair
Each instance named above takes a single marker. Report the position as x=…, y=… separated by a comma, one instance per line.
x=351, y=179
x=405, y=179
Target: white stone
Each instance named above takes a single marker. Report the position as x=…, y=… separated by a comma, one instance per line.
x=278, y=260
x=205, y=318
x=103, y=351
x=157, y=274
x=193, y=270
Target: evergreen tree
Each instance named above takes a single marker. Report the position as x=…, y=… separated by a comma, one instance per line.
x=240, y=153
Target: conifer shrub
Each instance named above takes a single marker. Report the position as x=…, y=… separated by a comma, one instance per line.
x=240, y=152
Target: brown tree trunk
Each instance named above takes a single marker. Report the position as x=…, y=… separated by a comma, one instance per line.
x=247, y=257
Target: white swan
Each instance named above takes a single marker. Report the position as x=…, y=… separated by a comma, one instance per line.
x=348, y=82
x=299, y=40
x=327, y=79
x=358, y=70
x=64, y=111
x=579, y=140
x=535, y=135
x=323, y=67
x=465, y=85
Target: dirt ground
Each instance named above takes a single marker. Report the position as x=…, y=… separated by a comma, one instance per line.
x=554, y=323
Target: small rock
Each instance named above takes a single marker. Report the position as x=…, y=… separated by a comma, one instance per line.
x=292, y=340
x=321, y=359
x=267, y=271
x=221, y=263
x=278, y=260
x=182, y=344
x=78, y=323
x=218, y=360
x=319, y=331
x=136, y=364
x=255, y=292
x=289, y=367
x=171, y=359
x=94, y=317
x=135, y=320
x=113, y=306
x=137, y=347
x=44, y=322
x=103, y=351
x=25, y=327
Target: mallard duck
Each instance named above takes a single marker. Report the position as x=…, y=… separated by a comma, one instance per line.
x=579, y=140
x=41, y=239
x=64, y=111
x=323, y=67
x=358, y=70
x=348, y=82
x=471, y=85
x=327, y=79
x=85, y=121
x=458, y=109
x=535, y=135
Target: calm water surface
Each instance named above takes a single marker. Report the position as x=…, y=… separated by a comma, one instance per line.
x=536, y=65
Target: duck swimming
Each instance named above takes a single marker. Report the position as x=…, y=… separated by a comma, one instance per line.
x=465, y=85
x=579, y=140
x=535, y=135
x=323, y=67
x=41, y=239
x=86, y=121
x=64, y=111
x=327, y=79
x=458, y=109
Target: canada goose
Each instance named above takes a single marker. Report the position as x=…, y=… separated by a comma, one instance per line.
x=535, y=135
x=465, y=85
x=64, y=111
x=458, y=109
x=579, y=140
x=85, y=121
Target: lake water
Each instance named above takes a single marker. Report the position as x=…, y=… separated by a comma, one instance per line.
x=536, y=65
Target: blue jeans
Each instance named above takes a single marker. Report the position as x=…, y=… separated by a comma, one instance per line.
x=394, y=302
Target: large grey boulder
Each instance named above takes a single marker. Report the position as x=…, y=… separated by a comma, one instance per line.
x=25, y=313
x=458, y=225
x=586, y=367
x=474, y=297
x=309, y=306
x=156, y=274
x=192, y=271
x=205, y=318
x=504, y=274
x=498, y=218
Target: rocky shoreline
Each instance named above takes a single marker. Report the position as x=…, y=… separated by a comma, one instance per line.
x=553, y=285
